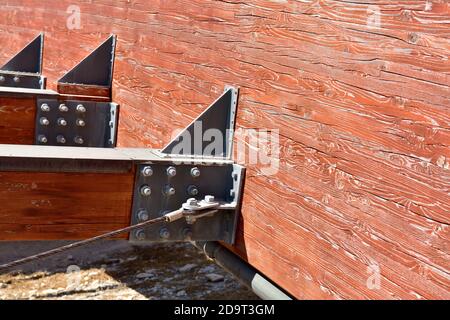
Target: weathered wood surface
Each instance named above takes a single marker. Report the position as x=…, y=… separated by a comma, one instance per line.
x=17, y=120
x=362, y=108
x=50, y=206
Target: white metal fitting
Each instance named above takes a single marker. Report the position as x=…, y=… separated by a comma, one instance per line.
x=195, y=172
x=44, y=121
x=42, y=138
x=16, y=79
x=63, y=108
x=45, y=107
x=209, y=199
x=147, y=171
x=78, y=140
x=81, y=109
x=143, y=215
x=60, y=139
x=80, y=123
x=145, y=190
x=62, y=122
x=171, y=171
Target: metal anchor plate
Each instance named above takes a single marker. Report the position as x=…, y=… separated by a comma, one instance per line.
x=76, y=123
x=161, y=188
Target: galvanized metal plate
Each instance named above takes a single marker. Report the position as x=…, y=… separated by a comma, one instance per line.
x=21, y=80
x=76, y=123
x=224, y=182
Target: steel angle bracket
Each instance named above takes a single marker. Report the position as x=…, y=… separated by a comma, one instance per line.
x=191, y=173
x=76, y=123
x=94, y=74
x=24, y=70
x=210, y=135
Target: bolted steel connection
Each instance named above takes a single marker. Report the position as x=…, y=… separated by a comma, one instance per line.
x=147, y=171
x=171, y=171
x=169, y=190
x=143, y=215
x=195, y=172
x=164, y=233
x=78, y=140
x=45, y=107
x=81, y=109
x=145, y=190
x=44, y=121
x=60, y=139
x=80, y=122
x=16, y=79
x=63, y=108
x=192, y=190
x=2, y=79
x=62, y=122
x=140, y=235
x=42, y=138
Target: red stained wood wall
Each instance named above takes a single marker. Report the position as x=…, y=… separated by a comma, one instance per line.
x=359, y=92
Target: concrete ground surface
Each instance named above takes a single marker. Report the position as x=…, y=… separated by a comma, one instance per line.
x=116, y=270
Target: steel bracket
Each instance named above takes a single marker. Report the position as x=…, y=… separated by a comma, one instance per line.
x=76, y=123
x=24, y=69
x=161, y=188
x=93, y=73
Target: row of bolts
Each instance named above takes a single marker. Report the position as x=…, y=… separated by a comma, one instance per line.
x=168, y=190
x=62, y=122
x=16, y=79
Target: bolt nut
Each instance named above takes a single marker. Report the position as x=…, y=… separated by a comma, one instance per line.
x=42, y=138
x=147, y=171
x=45, y=107
x=169, y=190
x=80, y=122
x=143, y=215
x=209, y=199
x=145, y=190
x=16, y=79
x=171, y=171
x=2, y=79
x=81, y=109
x=44, y=121
x=192, y=190
x=62, y=122
x=192, y=202
x=63, y=108
x=140, y=235
x=78, y=140
x=164, y=233
x=60, y=139
x=195, y=172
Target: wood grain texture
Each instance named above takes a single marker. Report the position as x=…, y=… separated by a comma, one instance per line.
x=17, y=120
x=51, y=206
x=359, y=92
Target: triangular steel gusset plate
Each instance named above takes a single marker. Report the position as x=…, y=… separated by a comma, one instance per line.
x=25, y=68
x=211, y=134
x=29, y=59
x=93, y=74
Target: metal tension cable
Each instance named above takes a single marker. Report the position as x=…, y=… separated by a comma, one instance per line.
x=191, y=210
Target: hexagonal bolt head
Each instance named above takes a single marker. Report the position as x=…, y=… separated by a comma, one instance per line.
x=147, y=171
x=140, y=235
x=164, y=233
x=45, y=107
x=80, y=122
x=81, y=109
x=44, y=121
x=192, y=190
x=209, y=199
x=16, y=79
x=60, y=139
x=171, y=171
x=169, y=190
x=2, y=79
x=192, y=202
x=62, y=122
x=63, y=108
x=42, y=138
x=143, y=215
x=145, y=190
x=78, y=140
x=195, y=172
